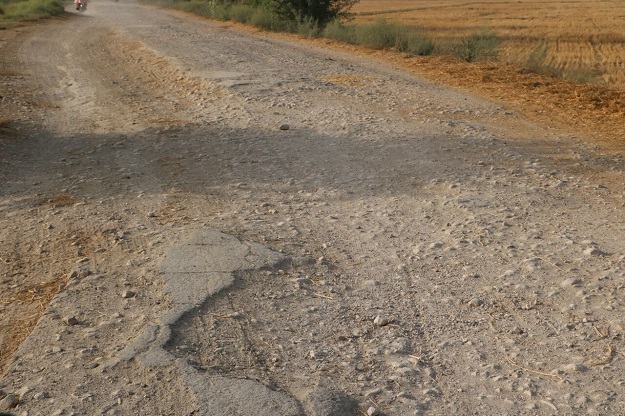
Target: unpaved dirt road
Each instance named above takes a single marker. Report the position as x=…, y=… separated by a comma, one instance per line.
x=402, y=248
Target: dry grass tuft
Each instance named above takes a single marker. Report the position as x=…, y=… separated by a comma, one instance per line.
x=36, y=298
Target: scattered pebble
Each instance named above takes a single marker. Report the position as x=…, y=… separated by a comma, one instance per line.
x=382, y=320
x=476, y=302
x=127, y=294
x=372, y=411
x=571, y=282
x=594, y=251
x=40, y=395
x=71, y=320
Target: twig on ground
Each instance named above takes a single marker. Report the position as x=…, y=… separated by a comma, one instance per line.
x=605, y=361
x=218, y=315
x=553, y=264
x=529, y=370
x=321, y=295
x=601, y=334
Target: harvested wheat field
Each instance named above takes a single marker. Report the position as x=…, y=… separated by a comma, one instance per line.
x=580, y=40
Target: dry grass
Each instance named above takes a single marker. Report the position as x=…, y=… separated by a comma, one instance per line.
x=583, y=41
x=32, y=302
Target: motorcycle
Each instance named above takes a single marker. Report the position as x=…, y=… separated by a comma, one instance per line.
x=81, y=5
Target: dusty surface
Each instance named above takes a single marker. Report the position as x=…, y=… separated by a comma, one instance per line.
x=402, y=248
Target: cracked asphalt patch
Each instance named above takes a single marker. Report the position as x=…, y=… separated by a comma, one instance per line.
x=192, y=272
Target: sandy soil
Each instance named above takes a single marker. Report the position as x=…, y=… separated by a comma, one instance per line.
x=405, y=248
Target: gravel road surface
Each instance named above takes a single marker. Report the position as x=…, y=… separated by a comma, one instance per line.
x=248, y=224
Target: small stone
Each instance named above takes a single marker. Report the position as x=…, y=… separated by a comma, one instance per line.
x=127, y=294
x=372, y=411
x=571, y=282
x=151, y=214
x=284, y=127
x=71, y=320
x=381, y=320
x=9, y=402
x=594, y=251
x=40, y=395
x=475, y=302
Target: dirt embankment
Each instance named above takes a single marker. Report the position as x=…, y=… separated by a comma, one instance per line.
x=401, y=248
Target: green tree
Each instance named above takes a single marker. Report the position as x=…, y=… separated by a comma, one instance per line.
x=319, y=12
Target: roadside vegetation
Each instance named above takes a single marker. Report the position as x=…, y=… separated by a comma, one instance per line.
x=332, y=19
x=14, y=12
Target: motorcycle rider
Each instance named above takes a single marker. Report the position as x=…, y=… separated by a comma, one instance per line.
x=80, y=4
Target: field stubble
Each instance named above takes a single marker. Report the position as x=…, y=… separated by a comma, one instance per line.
x=578, y=41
